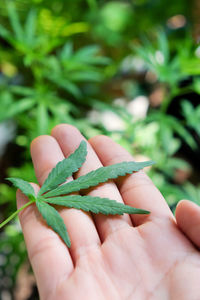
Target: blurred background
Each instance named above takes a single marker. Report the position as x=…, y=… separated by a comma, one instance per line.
x=127, y=69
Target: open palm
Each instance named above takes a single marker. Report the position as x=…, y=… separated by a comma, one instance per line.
x=112, y=257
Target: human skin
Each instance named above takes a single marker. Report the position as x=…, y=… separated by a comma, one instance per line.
x=135, y=257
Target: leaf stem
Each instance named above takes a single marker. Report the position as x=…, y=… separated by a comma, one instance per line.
x=15, y=213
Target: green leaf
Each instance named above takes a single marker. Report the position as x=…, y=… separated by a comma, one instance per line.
x=85, y=53
x=4, y=33
x=163, y=45
x=24, y=186
x=30, y=27
x=90, y=55
x=70, y=87
x=67, y=51
x=15, y=22
x=95, y=205
x=65, y=168
x=20, y=106
x=181, y=131
x=66, y=84
x=21, y=90
x=100, y=175
x=54, y=220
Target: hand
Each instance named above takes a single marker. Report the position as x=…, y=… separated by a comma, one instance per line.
x=112, y=257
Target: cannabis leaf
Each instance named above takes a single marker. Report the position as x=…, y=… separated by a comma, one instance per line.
x=24, y=186
x=54, y=191
x=54, y=220
x=100, y=175
x=65, y=168
x=95, y=205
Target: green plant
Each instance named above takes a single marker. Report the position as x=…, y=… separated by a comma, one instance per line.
x=56, y=75
x=44, y=46
x=192, y=116
x=51, y=190
x=171, y=64
x=159, y=60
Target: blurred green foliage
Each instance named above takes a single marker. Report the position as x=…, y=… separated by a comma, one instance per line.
x=128, y=69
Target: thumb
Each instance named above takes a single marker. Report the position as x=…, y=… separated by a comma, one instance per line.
x=188, y=220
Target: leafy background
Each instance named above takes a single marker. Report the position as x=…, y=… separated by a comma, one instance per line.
x=127, y=69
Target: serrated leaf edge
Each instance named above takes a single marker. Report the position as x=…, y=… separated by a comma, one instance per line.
x=60, y=189
x=44, y=188
x=113, y=204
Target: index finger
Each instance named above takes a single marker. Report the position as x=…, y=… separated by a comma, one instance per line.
x=46, y=250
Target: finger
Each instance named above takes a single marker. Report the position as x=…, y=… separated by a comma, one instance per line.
x=69, y=138
x=46, y=153
x=45, y=249
x=136, y=189
x=188, y=220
